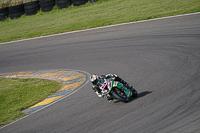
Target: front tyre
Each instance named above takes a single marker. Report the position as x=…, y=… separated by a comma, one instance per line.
x=120, y=95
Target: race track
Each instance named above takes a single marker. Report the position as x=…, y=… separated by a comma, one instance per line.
x=160, y=58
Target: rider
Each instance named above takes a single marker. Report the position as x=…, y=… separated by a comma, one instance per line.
x=95, y=81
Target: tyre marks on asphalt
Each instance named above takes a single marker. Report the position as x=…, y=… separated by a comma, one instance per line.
x=71, y=80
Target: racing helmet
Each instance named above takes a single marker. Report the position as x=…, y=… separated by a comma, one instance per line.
x=94, y=78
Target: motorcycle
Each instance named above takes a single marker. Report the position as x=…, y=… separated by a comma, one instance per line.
x=117, y=90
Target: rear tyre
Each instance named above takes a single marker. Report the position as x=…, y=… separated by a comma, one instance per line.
x=120, y=95
x=134, y=93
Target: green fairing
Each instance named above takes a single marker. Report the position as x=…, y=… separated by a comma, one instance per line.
x=119, y=86
x=127, y=92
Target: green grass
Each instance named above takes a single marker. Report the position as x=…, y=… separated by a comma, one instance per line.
x=19, y=94
x=101, y=13
x=7, y=3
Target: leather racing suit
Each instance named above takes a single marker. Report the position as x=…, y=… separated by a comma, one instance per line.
x=114, y=77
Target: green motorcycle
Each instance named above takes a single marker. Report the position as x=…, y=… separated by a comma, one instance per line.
x=117, y=90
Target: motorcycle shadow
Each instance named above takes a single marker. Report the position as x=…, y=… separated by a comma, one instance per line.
x=144, y=93
x=141, y=94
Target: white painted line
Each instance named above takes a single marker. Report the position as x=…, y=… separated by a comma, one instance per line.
x=101, y=27
x=47, y=105
x=87, y=80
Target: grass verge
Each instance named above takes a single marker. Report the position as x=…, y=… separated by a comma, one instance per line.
x=19, y=94
x=101, y=13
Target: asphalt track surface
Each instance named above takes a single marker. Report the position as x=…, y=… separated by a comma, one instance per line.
x=160, y=58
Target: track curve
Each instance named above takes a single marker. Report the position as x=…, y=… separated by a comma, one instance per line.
x=159, y=58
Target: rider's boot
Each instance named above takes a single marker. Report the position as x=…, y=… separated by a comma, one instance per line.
x=110, y=99
x=99, y=94
x=123, y=82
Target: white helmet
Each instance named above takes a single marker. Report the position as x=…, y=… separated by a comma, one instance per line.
x=94, y=78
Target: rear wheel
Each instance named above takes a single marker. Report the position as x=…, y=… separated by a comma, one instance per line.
x=120, y=95
x=134, y=93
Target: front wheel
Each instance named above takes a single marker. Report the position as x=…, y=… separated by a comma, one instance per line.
x=120, y=95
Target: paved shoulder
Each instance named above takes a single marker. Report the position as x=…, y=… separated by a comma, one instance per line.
x=71, y=80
